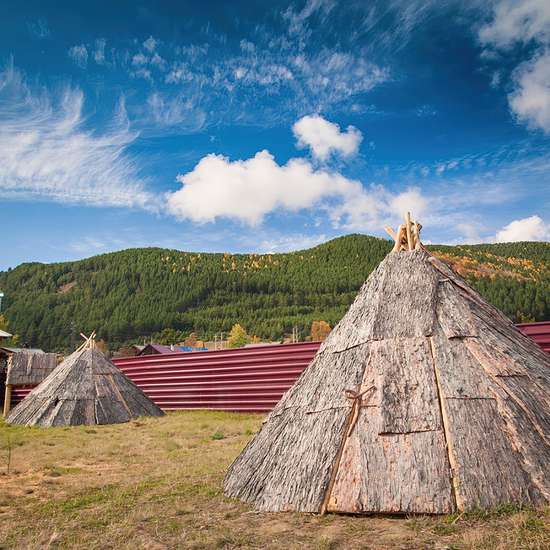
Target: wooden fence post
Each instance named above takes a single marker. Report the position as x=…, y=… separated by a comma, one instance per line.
x=7, y=400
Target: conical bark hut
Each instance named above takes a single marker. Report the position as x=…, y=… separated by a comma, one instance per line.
x=85, y=389
x=423, y=399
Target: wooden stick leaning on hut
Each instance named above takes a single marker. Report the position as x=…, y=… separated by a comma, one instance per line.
x=7, y=401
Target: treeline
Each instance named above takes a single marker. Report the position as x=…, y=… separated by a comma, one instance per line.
x=128, y=296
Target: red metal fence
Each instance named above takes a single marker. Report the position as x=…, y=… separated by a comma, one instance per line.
x=539, y=332
x=246, y=379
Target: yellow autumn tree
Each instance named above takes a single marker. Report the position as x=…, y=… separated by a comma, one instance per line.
x=191, y=340
x=319, y=331
x=238, y=337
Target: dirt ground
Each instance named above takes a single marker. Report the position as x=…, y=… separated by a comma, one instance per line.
x=156, y=483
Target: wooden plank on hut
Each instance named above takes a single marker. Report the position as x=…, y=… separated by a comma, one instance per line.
x=404, y=473
x=532, y=397
x=489, y=469
x=324, y=383
x=453, y=312
x=288, y=464
x=460, y=374
x=533, y=447
x=379, y=309
x=408, y=395
x=394, y=459
x=390, y=320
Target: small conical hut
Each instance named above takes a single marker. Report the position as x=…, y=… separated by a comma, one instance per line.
x=423, y=399
x=86, y=388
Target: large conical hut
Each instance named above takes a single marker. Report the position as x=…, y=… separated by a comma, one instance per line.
x=423, y=399
x=86, y=388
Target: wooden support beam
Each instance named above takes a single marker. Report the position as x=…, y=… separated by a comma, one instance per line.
x=408, y=229
x=390, y=232
x=407, y=236
x=7, y=400
x=417, y=243
x=399, y=238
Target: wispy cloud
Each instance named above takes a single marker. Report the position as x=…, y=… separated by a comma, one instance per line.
x=46, y=152
x=99, y=51
x=39, y=29
x=289, y=243
x=172, y=112
x=79, y=54
x=274, y=65
x=150, y=44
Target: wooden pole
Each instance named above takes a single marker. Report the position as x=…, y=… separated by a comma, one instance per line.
x=7, y=400
x=400, y=231
x=417, y=243
x=390, y=232
x=408, y=228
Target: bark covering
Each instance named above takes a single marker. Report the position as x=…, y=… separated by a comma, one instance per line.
x=423, y=399
x=85, y=389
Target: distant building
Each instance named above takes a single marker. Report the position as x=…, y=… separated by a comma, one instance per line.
x=4, y=335
x=160, y=349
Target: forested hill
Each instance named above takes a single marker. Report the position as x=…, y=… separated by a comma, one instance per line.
x=134, y=293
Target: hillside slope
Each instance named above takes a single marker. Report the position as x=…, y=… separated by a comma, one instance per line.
x=131, y=294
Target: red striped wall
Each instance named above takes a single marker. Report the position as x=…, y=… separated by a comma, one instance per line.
x=247, y=379
x=539, y=332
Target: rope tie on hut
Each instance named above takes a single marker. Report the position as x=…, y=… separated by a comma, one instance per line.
x=356, y=404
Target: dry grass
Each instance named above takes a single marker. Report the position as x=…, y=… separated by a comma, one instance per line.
x=155, y=483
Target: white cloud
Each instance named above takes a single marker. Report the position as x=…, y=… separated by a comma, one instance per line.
x=150, y=44
x=526, y=229
x=531, y=100
x=525, y=22
x=410, y=200
x=517, y=21
x=79, y=54
x=470, y=230
x=248, y=190
x=324, y=137
x=46, y=153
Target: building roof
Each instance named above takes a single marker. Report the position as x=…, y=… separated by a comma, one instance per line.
x=153, y=349
x=9, y=349
x=27, y=367
x=4, y=334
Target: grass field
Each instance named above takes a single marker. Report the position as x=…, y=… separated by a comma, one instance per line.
x=156, y=483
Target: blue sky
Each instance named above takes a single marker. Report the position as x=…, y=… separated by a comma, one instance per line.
x=249, y=126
